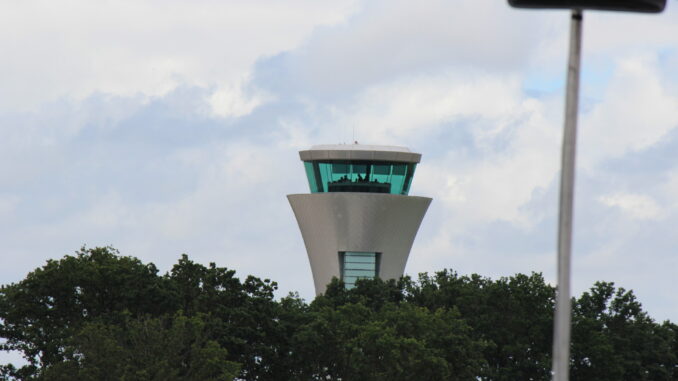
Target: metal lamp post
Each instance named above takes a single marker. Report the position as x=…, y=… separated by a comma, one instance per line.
x=563, y=313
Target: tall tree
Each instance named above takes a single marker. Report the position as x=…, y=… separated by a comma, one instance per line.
x=97, y=315
x=247, y=316
x=164, y=349
x=39, y=313
x=370, y=333
x=513, y=315
x=614, y=339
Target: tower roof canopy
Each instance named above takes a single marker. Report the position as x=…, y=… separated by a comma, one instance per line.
x=360, y=152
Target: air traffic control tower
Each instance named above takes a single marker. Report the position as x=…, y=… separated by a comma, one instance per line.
x=358, y=221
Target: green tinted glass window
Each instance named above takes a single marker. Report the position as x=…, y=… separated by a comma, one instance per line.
x=312, y=178
x=358, y=265
x=341, y=168
x=359, y=176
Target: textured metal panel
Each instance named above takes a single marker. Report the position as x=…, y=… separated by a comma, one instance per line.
x=398, y=156
x=342, y=155
x=334, y=222
x=359, y=155
x=350, y=152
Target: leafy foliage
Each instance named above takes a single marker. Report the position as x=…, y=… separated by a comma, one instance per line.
x=97, y=315
x=615, y=340
x=368, y=335
x=144, y=349
x=50, y=305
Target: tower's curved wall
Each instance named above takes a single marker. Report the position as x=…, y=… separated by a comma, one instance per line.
x=331, y=223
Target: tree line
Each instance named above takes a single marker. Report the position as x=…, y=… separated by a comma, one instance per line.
x=97, y=315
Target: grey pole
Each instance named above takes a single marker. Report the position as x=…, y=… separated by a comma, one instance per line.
x=562, y=324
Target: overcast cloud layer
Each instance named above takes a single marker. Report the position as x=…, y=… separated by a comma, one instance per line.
x=167, y=127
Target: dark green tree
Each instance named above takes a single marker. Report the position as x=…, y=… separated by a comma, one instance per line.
x=246, y=315
x=97, y=315
x=512, y=315
x=614, y=339
x=168, y=349
x=40, y=313
x=370, y=333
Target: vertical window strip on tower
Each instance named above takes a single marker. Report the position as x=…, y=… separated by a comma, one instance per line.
x=358, y=265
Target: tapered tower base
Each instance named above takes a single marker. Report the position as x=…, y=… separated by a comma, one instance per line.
x=333, y=224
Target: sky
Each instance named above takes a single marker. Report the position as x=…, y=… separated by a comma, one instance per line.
x=170, y=127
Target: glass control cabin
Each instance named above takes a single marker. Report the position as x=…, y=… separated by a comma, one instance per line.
x=359, y=168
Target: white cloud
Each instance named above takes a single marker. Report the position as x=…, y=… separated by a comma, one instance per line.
x=513, y=147
x=413, y=106
x=609, y=33
x=635, y=113
x=232, y=101
x=636, y=206
x=74, y=48
x=388, y=39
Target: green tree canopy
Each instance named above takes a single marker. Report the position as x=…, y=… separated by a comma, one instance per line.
x=97, y=315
